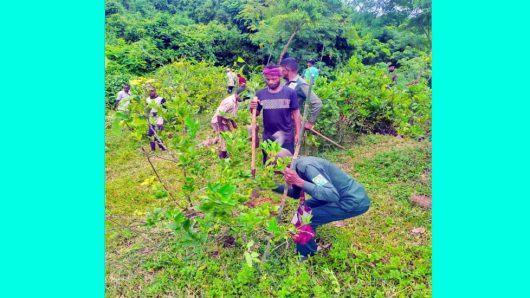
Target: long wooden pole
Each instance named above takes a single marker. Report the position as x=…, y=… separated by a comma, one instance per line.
x=327, y=139
x=253, y=127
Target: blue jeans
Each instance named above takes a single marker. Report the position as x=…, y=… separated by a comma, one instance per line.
x=322, y=215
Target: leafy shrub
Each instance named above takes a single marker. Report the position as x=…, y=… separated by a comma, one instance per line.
x=363, y=99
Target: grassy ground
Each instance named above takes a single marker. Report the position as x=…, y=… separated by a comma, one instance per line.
x=384, y=253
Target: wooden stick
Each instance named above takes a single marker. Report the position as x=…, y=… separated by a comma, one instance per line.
x=160, y=179
x=253, y=127
x=327, y=139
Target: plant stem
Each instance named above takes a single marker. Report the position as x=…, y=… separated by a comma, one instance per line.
x=187, y=194
x=158, y=177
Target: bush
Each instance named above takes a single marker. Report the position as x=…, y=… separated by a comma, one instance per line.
x=363, y=99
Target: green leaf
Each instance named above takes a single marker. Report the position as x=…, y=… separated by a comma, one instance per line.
x=272, y=226
x=248, y=258
x=227, y=190
x=249, y=244
x=240, y=60
x=306, y=219
x=116, y=129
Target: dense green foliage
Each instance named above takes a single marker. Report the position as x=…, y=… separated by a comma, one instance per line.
x=363, y=99
x=142, y=35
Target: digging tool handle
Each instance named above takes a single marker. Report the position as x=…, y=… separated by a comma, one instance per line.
x=327, y=139
x=253, y=127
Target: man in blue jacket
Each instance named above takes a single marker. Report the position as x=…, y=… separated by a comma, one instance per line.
x=334, y=194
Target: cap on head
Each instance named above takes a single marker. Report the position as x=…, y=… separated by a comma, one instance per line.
x=311, y=61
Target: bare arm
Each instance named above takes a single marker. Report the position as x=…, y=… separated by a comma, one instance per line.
x=323, y=190
x=297, y=124
x=316, y=104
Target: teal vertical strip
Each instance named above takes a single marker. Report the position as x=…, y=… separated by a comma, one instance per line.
x=480, y=155
x=52, y=185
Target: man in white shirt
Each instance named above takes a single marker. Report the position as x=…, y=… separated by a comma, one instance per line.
x=156, y=122
x=222, y=120
x=231, y=79
x=122, y=100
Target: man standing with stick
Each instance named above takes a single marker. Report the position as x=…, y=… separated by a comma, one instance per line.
x=281, y=113
x=303, y=91
x=156, y=122
x=295, y=156
x=289, y=68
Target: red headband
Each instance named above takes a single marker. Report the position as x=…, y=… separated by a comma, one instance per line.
x=272, y=72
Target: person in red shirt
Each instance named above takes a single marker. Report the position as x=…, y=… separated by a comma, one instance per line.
x=242, y=83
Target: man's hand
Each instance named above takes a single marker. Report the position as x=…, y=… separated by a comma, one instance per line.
x=292, y=178
x=297, y=125
x=234, y=124
x=308, y=126
x=254, y=103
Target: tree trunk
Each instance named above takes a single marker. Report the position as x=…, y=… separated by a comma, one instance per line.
x=428, y=34
x=288, y=43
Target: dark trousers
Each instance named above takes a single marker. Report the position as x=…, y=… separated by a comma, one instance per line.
x=153, y=139
x=323, y=214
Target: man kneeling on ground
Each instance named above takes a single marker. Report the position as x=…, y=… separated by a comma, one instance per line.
x=335, y=195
